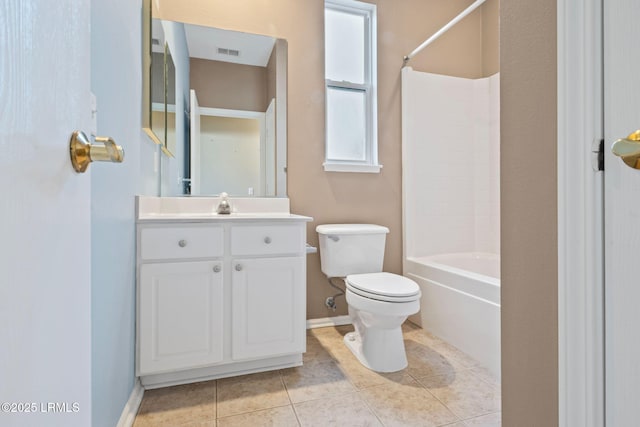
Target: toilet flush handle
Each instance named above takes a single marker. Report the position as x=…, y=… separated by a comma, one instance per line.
x=334, y=238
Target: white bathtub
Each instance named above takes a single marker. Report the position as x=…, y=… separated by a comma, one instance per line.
x=461, y=302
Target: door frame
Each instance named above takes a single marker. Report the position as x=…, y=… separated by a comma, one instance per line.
x=580, y=214
x=245, y=114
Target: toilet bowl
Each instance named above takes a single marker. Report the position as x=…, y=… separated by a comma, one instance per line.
x=378, y=302
x=378, y=305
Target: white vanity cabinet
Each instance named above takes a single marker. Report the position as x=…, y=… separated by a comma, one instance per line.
x=180, y=310
x=268, y=304
x=219, y=297
x=180, y=299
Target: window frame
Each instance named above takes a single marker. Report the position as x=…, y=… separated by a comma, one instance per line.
x=370, y=164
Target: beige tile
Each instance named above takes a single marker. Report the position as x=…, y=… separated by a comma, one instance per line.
x=273, y=417
x=486, y=376
x=464, y=393
x=362, y=377
x=332, y=333
x=249, y=393
x=412, y=332
x=315, y=381
x=212, y=423
x=316, y=351
x=490, y=420
x=179, y=405
x=346, y=410
x=407, y=405
x=332, y=338
x=425, y=361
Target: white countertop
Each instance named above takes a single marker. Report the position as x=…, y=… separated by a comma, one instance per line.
x=202, y=209
x=190, y=217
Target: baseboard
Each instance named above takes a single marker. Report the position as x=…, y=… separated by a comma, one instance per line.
x=131, y=408
x=328, y=321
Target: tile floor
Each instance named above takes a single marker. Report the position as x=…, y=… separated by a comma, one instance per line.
x=440, y=387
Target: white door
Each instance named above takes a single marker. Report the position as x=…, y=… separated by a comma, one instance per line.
x=268, y=307
x=181, y=307
x=195, y=143
x=45, y=273
x=622, y=214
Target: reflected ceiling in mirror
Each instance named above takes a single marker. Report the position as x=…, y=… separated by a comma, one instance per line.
x=232, y=88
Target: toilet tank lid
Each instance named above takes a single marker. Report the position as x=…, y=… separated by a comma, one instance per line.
x=351, y=229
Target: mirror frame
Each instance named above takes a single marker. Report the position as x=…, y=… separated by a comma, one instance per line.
x=146, y=78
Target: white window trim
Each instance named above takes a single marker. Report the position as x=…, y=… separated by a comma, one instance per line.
x=371, y=164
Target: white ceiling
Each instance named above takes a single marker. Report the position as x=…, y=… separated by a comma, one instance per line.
x=204, y=42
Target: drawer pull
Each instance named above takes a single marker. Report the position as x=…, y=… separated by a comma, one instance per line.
x=238, y=267
x=182, y=243
x=217, y=269
x=267, y=240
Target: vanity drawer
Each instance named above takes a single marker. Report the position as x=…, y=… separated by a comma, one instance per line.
x=181, y=242
x=267, y=239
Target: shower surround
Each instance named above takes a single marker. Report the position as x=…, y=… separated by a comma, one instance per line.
x=451, y=206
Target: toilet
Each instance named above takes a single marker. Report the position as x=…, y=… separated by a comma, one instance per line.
x=378, y=302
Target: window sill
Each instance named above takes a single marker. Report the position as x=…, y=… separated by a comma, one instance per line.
x=351, y=167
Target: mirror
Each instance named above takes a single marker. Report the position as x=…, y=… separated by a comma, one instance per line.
x=231, y=87
x=163, y=89
x=158, y=110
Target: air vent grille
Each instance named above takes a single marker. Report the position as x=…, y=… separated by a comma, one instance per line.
x=227, y=51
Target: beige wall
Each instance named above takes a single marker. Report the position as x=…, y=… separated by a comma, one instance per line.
x=346, y=197
x=227, y=85
x=490, y=37
x=529, y=213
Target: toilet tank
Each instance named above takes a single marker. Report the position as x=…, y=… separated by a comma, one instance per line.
x=351, y=248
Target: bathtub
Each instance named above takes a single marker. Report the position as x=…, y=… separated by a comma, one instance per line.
x=460, y=302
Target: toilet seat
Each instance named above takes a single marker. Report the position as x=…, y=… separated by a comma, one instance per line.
x=383, y=287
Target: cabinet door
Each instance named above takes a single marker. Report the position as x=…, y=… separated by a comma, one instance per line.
x=180, y=316
x=268, y=307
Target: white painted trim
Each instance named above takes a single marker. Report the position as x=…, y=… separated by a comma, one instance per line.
x=225, y=112
x=133, y=404
x=324, y=322
x=351, y=167
x=370, y=86
x=580, y=217
x=224, y=370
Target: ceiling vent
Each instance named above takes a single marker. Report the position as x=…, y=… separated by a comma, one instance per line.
x=228, y=52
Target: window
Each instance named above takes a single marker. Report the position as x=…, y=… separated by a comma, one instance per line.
x=350, y=78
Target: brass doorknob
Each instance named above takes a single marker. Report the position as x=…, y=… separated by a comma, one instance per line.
x=84, y=152
x=628, y=149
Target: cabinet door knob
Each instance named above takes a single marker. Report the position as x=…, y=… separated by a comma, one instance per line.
x=267, y=240
x=238, y=267
x=182, y=243
x=217, y=269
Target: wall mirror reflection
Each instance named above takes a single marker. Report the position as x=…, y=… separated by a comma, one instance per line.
x=163, y=94
x=226, y=110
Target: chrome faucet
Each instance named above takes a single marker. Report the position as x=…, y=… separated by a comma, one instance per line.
x=224, y=208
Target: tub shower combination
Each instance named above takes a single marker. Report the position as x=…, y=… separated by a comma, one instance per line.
x=451, y=208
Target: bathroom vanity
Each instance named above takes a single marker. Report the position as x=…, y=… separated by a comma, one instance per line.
x=218, y=295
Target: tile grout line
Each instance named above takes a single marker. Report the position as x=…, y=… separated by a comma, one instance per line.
x=451, y=410
x=286, y=390
x=436, y=397
x=371, y=409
